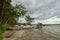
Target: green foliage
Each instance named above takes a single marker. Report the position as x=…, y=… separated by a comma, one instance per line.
x=2, y=30
x=10, y=14
x=29, y=19
x=13, y=13
x=4, y=7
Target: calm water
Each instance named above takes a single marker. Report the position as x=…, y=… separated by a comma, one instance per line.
x=52, y=32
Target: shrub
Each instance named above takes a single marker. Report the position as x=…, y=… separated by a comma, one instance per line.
x=2, y=30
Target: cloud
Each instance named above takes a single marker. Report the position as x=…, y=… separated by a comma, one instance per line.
x=53, y=20
x=22, y=20
x=42, y=10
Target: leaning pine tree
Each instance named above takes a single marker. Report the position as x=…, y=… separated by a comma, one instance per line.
x=29, y=19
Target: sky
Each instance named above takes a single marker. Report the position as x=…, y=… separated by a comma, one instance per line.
x=45, y=11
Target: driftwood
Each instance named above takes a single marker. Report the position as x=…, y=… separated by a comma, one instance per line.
x=24, y=27
x=18, y=28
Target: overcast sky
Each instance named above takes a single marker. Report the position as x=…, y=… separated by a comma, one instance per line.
x=45, y=11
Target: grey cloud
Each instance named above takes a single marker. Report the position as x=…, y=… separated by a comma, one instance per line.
x=42, y=9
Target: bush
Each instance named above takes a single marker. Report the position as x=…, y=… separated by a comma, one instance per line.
x=2, y=30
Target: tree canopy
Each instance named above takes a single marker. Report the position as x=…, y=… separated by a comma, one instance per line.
x=9, y=14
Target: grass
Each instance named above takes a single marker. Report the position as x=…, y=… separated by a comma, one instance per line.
x=2, y=30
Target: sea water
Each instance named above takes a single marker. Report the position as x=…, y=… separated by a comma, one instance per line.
x=51, y=32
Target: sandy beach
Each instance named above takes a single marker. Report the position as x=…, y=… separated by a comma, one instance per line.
x=30, y=34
